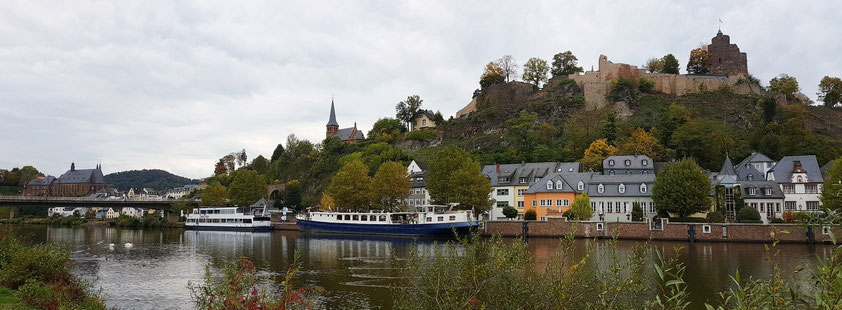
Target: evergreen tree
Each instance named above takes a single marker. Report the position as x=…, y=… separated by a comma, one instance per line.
x=670, y=64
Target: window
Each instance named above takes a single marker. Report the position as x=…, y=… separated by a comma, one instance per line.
x=610, y=162
x=566, y=202
x=546, y=202
x=549, y=184
x=356, y=217
x=812, y=205
x=622, y=188
x=644, y=162
x=503, y=180
x=537, y=179
x=452, y=218
x=788, y=188
x=558, y=184
x=347, y=217
x=559, y=202
x=534, y=203
x=628, y=171
x=768, y=191
x=627, y=162
x=522, y=180
x=363, y=218
x=429, y=219
x=706, y=229
x=520, y=192
x=643, y=188
x=800, y=180
x=599, y=226
x=789, y=205
x=600, y=188
x=750, y=177
x=501, y=204
x=520, y=204
x=441, y=218
x=610, y=207
x=382, y=218
x=611, y=172
x=581, y=186
x=502, y=192
x=811, y=188
x=752, y=191
x=424, y=122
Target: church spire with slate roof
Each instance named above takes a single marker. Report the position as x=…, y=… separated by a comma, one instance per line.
x=727, y=166
x=332, y=125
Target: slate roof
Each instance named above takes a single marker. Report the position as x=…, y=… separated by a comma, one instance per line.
x=332, y=120
x=611, y=185
x=761, y=187
x=727, y=167
x=530, y=171
x=783, y=169
x=42, y=181
x=81, y=176
x=635, y=163
x=418, y=180
x=743, y=172
x=826, y=168
x=345, y=134
x=755, y=157
x=570, y=182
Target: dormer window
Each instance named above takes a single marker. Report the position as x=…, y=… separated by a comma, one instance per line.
x=644, y=162
x=622, y=188
x=627, y=162
x=750, y=177
x=537, y=179
x=522, y=180
x=752, y=191
x=628, y=171
x=549, y=184
x=581, y=186
x=768, y=191
x=800, y=179
x=611, y=172
x=558, y=184
x=600, y=188
x=610, y=162
x=503, y=180
x=643, y=188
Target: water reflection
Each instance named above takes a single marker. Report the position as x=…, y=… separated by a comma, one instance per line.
x=149, y=269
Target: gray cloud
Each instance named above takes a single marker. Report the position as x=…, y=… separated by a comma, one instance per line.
x=176, y=85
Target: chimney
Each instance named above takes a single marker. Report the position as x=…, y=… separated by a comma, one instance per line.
x=498, y=168
x=72, y=166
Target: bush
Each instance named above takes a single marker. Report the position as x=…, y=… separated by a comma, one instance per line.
x=510, y=212
x=646, y=86
x=421, y=135
x=777, y=221
x=530, y=215
x=748, y=215
x=623, y=89
x=789, y=217
x=802, y=217
x=715, y=217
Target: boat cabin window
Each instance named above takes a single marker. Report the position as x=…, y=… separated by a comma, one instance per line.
x=382, y=218
x=356, y=217
x=429, y=219
x=247, y=221
x=364, y=217
x=452, y=217
x=339, y=217
x=347, y=217
x=441, y=218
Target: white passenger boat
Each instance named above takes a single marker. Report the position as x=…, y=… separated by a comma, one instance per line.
x=425, y=221
x=229, y=218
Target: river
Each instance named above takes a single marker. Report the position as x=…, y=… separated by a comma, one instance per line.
x=150, y=269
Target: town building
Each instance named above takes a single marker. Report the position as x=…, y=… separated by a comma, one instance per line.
x=347, y=135
x=112, y=214
x=66, y=211
x=552, y=195
x=765, y=197
x=800, y=180
x=424, y=120
x=73, y=183
x=510, y=182
x=754, y=167
x=613, y=196
x=137, y=194
x=418, y=194
x=628, y=164
x=179, y=192
x=132, y=212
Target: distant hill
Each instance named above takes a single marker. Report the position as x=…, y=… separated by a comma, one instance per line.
x=153, y=178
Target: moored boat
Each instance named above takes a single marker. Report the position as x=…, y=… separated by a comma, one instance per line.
x=425, y=221
x=229, y=218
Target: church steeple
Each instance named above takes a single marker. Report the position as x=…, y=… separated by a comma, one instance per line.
x=332, y=125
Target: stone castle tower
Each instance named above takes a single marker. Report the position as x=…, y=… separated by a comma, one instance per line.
x=726, y=58
x=332, y=125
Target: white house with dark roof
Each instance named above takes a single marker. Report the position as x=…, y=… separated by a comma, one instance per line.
x=628, y=164
x=800, y=180
x=613, y=196
x=509, y=182
x=418, y=194
x=765, y=197
x=754, y=167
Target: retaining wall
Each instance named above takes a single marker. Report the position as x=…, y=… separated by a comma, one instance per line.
x=558, y=227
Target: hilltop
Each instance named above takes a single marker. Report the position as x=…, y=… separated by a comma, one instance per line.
x=147, y=178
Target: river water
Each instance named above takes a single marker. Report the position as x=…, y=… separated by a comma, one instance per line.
x=150, y=269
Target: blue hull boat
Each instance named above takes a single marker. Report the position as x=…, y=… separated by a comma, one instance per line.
x=431, y=229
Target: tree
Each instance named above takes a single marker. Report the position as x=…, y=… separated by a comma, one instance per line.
x=654, y=65
x=748, y=215
x=785, y=85
x=706, y=141
x=509, y=66
x=520, y=132
x=681, y=188
x=260, y=164
x=279, y=150
x=230, y=162
x=565, y=64
x=699, y=60
x=455, y=177
x=390, y=186
x=26, y=174
x=640, y=142
x=292, y=195
x=509, y=212
x=609, y=127
x=830, y=91
x=408, y=109
x=637, y=212
x=596, y=153
x=535, y=71
x=623, y=89
x=832, y=189
x=247, y=187
x=351, y=187
x=327, y=202
x=676, y=116
x=386, y=127
x=530, y=215
x=214, y=195
x=493, y=74
x=220, y=168
x=581, y=208
x=242, y=158
x=670, y=64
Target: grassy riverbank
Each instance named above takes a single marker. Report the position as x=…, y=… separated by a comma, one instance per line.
x=8, y=300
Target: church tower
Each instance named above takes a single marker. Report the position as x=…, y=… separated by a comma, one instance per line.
x=332, y=125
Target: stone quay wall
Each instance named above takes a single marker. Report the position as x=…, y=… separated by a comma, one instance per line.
x=559, y=227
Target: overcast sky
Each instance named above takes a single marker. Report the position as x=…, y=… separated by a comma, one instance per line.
x=174, y=86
